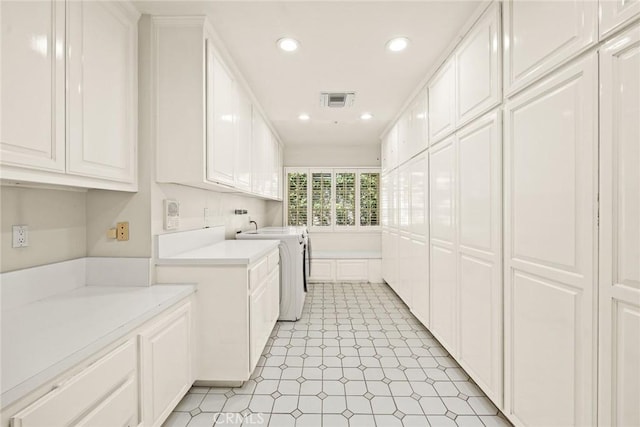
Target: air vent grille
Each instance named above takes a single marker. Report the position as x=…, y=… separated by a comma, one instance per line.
x=337, y=99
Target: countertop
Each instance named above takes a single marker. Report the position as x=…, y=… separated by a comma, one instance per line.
x=223, y=253
x=42, y=339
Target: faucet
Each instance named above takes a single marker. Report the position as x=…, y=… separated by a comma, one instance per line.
x=254, y=223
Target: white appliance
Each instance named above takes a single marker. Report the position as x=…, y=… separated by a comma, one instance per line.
x=294, y=265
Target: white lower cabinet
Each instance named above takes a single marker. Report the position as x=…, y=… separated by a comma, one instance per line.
x=237, y=307
x=97, y=389
x=165, y=364
x=619, y=283
x=550, y=249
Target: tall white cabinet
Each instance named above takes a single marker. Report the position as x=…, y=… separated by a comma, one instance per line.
x=68, y=93
x=550, y=248
x=619, y=281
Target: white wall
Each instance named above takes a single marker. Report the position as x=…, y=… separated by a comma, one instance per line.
x=332, y=155
x=57, y=226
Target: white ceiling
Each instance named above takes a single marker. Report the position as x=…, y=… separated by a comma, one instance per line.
x=342, y=49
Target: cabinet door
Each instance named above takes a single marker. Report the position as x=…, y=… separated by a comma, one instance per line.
x=259, y=144
x=165, y=353
x=118, y=409
x=478, y=67
x=614, y=14
x=442, y=265
x=221, y=120
x=102, y=89
x=263, y=314
x=418, y=171
x=419, y=125
x=550, y=225
x=32, y=39
x=419, y=255
x=619, y=288
x=404, y=137
x=479, y=237
x=404, y=202
x=442, y=109
x=243, y=148
x=541, y=35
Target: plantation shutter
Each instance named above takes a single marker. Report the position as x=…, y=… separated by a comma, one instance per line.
x=369, y=199
x=297, y=198
x=321, y=199
x=345, y=199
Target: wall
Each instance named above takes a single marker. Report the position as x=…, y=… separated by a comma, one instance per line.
x=57, y=222
x=332, y=155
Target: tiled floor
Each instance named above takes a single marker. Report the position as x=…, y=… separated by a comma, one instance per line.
x=356, y=358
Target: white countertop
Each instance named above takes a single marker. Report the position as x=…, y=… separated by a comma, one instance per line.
x=42, y=339
x=224, y=253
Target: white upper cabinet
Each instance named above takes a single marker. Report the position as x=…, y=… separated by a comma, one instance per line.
x=550, y=186
x=442, y=97
x=243, y=148
x=619, y=285
x=32, y=85
x=404, y=137
x=541, y=35
x=390, y=150
x=478, y=73
x=207, y=131
x=419, y=123
x=614, y=14
x=102, y=90
x=68, y=93
x=221, y=120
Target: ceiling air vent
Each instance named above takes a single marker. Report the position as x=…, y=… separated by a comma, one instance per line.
x=337, y=99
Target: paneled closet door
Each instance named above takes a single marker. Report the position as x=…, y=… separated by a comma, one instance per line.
x=614, y=14
x=550, y=245
x=442, y=111
x=102, y=65
x=619, y=289
x=419, y=252
x=443, y=280
x=540, y=35
x=32, y=109
x=479, y=150
x=478, y=73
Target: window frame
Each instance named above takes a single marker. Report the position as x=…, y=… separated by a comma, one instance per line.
x=334, y=227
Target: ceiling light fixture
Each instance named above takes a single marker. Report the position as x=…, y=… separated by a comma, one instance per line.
x=304, y=117
x=288, y=44
x=397, y=44
x=366, y=116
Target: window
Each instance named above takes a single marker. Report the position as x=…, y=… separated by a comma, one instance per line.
x=333, y=199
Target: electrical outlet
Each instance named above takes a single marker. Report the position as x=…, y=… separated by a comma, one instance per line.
x=122, y=230
x=20, y=236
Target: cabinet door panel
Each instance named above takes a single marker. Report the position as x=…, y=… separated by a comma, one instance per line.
x=550, y=223
x=221, y=120
x=443, y=286
x=480, y=251
x=619, y=284
x=418, y=197
x=166, y=364
x=102, y=91
x=420, y=280
x=442, y=110
x=478, y=67
x=243, y=148
x=614, y=14
x=541, y=35
x=441, y=192
x=32, y=84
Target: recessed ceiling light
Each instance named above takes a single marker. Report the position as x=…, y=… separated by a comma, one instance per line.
x=288, y=44
x=366, y=116
x=304, y=116
x=398, y=44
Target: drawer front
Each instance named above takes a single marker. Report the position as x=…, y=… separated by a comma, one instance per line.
x=258, y=273
x=273, y=260
x=83, y=391
x=117, y=410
